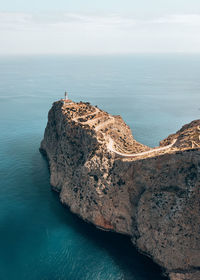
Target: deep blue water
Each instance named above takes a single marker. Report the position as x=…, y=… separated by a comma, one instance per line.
x=39, y=238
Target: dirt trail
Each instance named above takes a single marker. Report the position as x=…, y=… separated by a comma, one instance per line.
x=111, y=144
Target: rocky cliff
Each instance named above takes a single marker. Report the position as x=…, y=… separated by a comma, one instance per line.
x=109, y=179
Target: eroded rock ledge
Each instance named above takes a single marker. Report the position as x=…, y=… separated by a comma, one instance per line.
x=109, y=179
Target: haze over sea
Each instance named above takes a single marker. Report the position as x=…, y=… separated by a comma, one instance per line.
x=39, y=238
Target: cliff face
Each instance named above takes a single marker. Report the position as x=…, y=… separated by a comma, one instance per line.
x=109, y=179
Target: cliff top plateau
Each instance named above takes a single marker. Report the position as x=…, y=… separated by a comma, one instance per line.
x=118, y=136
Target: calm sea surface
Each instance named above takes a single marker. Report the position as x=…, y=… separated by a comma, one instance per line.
x=39, y=238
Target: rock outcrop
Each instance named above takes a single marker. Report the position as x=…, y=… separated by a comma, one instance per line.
x=109, y=179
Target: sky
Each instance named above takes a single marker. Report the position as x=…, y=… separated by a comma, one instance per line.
x=99, y=26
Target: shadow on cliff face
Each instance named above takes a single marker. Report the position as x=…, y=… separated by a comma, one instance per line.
x=42, y=239
x=132, y=264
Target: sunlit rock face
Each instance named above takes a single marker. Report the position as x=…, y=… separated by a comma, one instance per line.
x=109, y=179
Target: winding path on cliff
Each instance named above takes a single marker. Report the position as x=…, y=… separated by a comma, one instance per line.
x=110, y=140
x=107, y=122
x=87, y=115
x=111, y=143
x=99, y=126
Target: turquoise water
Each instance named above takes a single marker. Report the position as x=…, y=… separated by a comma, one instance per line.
x=40, y=238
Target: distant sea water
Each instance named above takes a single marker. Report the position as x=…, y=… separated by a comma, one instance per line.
x=39, y=238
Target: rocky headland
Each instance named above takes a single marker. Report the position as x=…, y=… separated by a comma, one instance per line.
x=109, y=179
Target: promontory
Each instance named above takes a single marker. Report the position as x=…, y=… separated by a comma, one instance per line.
x=109, y=179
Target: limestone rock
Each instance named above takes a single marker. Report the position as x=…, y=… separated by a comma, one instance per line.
x=109, y=179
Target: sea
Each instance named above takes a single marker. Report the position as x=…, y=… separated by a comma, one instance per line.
x=156, y=94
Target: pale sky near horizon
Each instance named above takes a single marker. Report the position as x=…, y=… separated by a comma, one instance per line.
x=99, y=27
